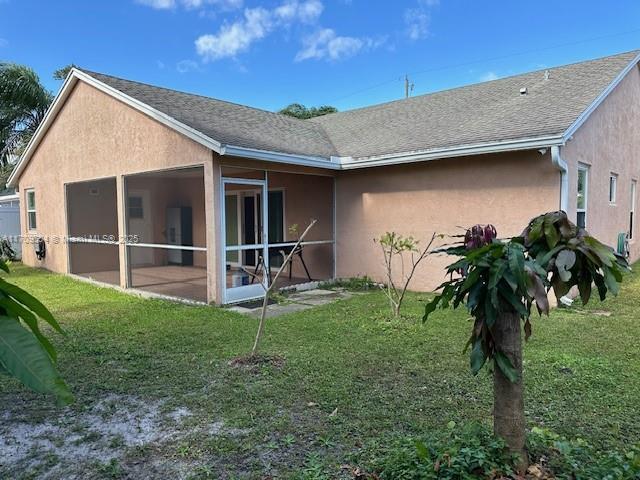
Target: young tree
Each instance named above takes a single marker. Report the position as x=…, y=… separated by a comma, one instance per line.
x=270, y=288
x=499, y=282
x=394, y=248
x=25, y=353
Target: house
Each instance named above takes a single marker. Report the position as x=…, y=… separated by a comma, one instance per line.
x=183, y=195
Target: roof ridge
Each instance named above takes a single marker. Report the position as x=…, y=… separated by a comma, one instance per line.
x=470, y=85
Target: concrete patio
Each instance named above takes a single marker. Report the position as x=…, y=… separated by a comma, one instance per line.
x=296, y=302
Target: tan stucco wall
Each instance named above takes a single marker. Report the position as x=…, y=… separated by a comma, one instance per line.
x=95, y=136
x=438, y=196
x=609, y=142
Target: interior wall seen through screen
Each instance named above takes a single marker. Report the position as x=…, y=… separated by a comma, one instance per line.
x=166, y=208
x=92, y=217
x=294, y=200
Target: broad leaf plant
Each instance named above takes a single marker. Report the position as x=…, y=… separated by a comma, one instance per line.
x=25, y=352
x=492, y=275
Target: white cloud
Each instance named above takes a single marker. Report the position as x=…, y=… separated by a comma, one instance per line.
x=223, y=4
x=158, y=4
x=257, y=23
x=192, y=4
x=307, y=12
x=237, y=37
x=487, y=77
x=418, y=19
x=326, y=44
x=417, y=22
x=185, y=66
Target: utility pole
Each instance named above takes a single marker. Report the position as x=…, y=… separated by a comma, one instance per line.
x=408, y=86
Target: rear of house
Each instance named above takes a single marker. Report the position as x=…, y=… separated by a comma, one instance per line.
x=186, y=196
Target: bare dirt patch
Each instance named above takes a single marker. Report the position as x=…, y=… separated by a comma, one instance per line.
x=253, y=363
x=105, y=439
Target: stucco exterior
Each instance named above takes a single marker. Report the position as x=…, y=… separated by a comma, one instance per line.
x=440, y=196
x=96, y=137
x=609, y=142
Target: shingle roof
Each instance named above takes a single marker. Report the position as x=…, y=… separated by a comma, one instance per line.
x=229, y=123
x=476, y=114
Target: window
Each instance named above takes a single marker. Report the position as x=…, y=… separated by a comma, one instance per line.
x=632, y=208
x=581, y=201
x=136, y=209
x=613, y=186
x=31, y=209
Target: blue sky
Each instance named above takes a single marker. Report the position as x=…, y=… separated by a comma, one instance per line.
x=347, y=53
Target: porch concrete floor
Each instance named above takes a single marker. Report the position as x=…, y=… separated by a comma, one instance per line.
x=296, y=302
x=171, y=280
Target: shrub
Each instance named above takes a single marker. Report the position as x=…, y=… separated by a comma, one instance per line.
x=7, y=254
x=471, y=452
x=353, y=283
x=578, y=460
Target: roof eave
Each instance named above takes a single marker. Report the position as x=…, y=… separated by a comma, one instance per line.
x=64, y=93
x=332, y=163
x=599, y=99
x=455, y=151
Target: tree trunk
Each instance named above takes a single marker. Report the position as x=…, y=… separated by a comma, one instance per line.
x=508, y=397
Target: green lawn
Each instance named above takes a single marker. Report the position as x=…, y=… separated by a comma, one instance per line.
x=350, y=378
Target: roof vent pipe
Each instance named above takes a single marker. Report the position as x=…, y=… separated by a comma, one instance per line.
x=561, y=165
x=523, y=91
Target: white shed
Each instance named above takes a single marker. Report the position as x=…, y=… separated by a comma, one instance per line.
x=10, y=221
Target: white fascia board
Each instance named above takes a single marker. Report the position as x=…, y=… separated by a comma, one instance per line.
x=304, y=160
x=458, y=151
x=68, y=85
x=55, y=106
x=6, y=198
x=161, y=117
x=599, y=99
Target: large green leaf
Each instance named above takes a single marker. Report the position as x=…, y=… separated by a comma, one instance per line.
x=24, y=358
x=506, y=367
x=477, y=356
x=515, y=255
x=550, y=232
x=16, y=309
x=30, y=302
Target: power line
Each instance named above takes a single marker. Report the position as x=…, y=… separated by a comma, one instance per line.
x=490, y=59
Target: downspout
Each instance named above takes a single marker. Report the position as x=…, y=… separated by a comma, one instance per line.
x=561, y=165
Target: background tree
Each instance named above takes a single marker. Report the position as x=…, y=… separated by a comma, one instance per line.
x=63, y=73
x=23, y=104
x=300, y=111
x=499, y=282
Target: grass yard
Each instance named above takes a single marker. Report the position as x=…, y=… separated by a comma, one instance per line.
x=156, y=398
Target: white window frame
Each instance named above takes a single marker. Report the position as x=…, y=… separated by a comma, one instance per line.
x=613, y=188
x=33, y=210
x=585, y=169
x=632, y=209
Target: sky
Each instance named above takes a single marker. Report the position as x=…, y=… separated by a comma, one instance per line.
x=345, y=53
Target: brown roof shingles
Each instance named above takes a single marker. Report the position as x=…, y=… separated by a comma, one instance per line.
x=476, y=114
